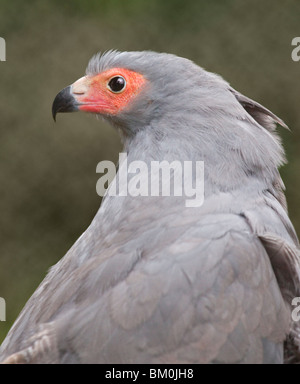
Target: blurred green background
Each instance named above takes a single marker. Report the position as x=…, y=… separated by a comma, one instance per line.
x=48, y=171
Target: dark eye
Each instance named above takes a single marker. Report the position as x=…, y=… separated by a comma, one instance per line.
x=117, y=84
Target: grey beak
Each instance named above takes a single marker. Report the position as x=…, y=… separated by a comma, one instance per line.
x=64, y=102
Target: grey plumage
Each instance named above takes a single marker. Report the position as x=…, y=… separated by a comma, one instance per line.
x=151, y=281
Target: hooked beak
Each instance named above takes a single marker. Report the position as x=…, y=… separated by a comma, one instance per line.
x=64, y=102
x=73, y=98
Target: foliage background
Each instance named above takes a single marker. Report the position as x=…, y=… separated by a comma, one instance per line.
x=47, y=170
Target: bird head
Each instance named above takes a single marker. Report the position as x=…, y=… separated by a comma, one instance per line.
x=131, y=89
x=178, y=108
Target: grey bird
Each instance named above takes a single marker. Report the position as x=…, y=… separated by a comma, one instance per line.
x=152, y=280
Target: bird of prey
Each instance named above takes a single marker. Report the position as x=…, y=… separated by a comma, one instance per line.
x=152, y=280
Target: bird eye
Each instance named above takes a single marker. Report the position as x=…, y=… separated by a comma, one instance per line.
x=117, y=84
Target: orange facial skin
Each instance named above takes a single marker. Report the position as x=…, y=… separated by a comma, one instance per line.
x=94, y=95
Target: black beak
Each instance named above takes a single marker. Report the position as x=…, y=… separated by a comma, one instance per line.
x=64, y=102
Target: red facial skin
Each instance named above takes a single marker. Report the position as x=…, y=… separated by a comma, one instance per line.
x=98, y=98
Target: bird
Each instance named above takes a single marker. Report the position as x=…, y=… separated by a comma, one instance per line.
x=152, y=280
